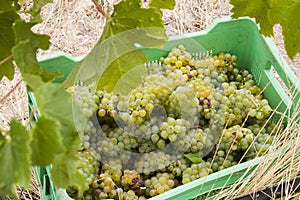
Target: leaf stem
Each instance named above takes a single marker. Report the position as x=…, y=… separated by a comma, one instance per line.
x=6, y=59
x=31, y=115
x=11, y=91
x=99, y=8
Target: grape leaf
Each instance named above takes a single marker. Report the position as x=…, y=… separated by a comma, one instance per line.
x=286, y=14
x=193, y=157
x=47, y=141
x=116, y=52
x=14, y=31
x=7, y=41
x=270, y=12
x=15, y=158
x=107, y=53
x=167, y=4
x=36, y=8
x=130, y=80
x=33, y=82
x=129, y=15
x=257, y=9
x=64, y=170
x=118, y=70
x=57, y=104
x=9, y=5
x=24, y=51
x=49, y=99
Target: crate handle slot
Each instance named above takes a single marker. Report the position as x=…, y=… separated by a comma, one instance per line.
x=279, y=69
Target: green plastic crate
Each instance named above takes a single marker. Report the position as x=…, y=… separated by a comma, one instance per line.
x=255, y=53
x=45, y=185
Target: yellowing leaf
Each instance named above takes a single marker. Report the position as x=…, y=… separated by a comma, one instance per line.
x=117, y=53
x=130, y=80
x=118, y=70
x=168, y=4
x=14, y=159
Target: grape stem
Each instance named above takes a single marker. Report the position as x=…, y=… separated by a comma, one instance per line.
x=33, y=111
x=277, y=190
x=6, y=59
x=99, y=8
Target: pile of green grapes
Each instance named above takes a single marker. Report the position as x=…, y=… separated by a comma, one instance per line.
x=189, y=117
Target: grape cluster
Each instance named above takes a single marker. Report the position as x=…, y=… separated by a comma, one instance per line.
x=86, y=97
x=107, y=148
x=89, y=135
x=88, y=165
x=178, y=166
x=264, y=137
x=187, y=104
x=114, y=169
x=131, y=195
x=153, y=161
x=196, y=171
x=171, y=128
x=160, y=183
x=200, y=138
x=107, y=104
x=236, y=138
x=105, y=187
x=132, y=180
x=223, y=159
x=178, y=108
x=136, y=106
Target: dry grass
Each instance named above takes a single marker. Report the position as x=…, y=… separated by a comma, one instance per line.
x=33, y=193
x=189, y=16
x=13, y=103
x=76, y=25
x=281, y=164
